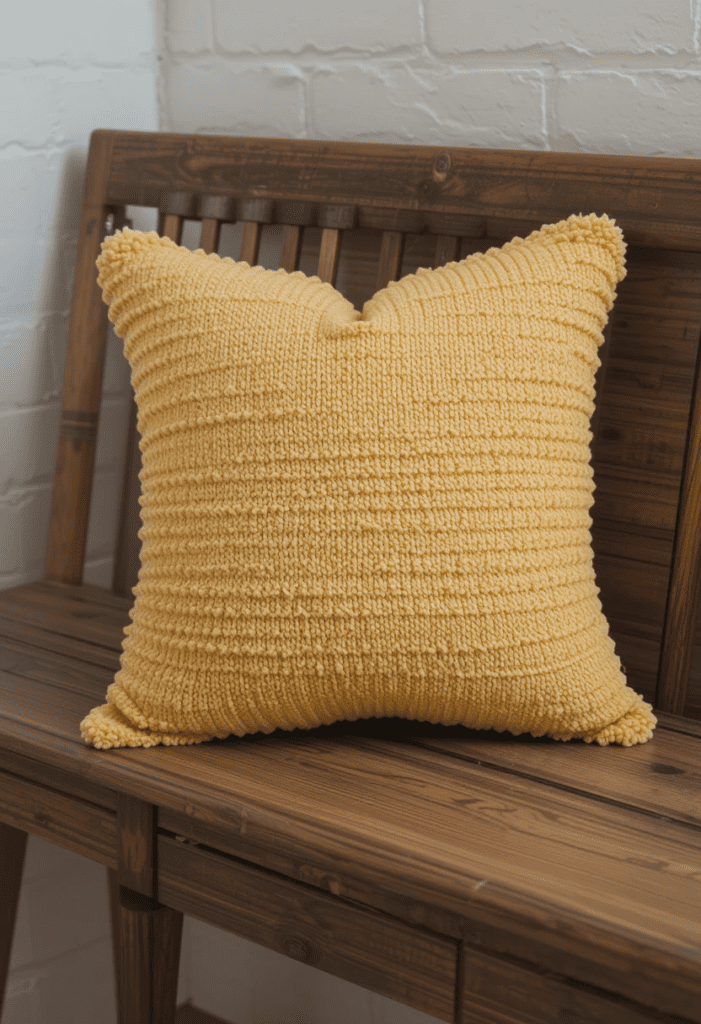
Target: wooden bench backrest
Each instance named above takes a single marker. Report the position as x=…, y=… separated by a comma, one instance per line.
x=383, y=210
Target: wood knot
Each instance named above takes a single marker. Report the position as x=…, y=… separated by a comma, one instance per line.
x=441, y=167
x=298, y=948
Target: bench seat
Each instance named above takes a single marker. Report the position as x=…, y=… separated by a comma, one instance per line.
x=375, y=849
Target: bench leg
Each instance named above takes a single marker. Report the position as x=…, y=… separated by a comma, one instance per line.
x=13, y=846
x=149, y=959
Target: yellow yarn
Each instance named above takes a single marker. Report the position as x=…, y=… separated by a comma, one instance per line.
x=353, y=515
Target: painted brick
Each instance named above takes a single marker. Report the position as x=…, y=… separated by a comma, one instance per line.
x=24, y=532
x=653, y=113
x=32, y=355
x=29, y=456
x=217, y=97
x=440, y=106
x=28, y=108
x=278, y=26
x=79, y=33
x=31, y=179
x=106, y=98
x=188, y=26
x=38, y=278
x=24, y=523
x=453, y=26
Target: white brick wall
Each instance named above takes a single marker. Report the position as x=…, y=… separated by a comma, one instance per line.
x=621, y=78
x=65, y=69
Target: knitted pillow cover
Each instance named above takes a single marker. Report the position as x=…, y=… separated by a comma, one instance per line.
x=356, y=515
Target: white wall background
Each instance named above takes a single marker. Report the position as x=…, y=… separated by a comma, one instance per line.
x=620, y=76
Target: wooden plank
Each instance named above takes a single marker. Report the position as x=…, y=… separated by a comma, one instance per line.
x=291, y=247
x=390, y=262
x=67, y=821
x=55, y=613
x=87, y=594
x=685, y=577
x=82, y=388
x=250, y=242
x=172, y=227
x=60, y=670
x=18, y=634
x=500, y=991
x=209, y=239
x=661, y=777
x=533, y=186
x=329, y=253
x=71, y=783
x=408, y=964
x=447, y=249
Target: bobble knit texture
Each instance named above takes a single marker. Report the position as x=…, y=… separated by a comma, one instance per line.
x=356, y=515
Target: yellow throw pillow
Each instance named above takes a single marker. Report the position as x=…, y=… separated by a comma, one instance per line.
x=363, y=515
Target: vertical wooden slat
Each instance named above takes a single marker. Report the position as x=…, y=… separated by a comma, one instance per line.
x=333, y=218
x=685, y=575
x=209, y=239
x=175, y=208
x=447, y=249
x=250, y=242
x=82, y=388
x=329, y=253
x=172, y=227
x=13, y=846
x=291, y=247
x=253, y=213
x=214, y=210
x=390, y=263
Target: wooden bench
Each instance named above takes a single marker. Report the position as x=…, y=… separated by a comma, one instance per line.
x=478, y=877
